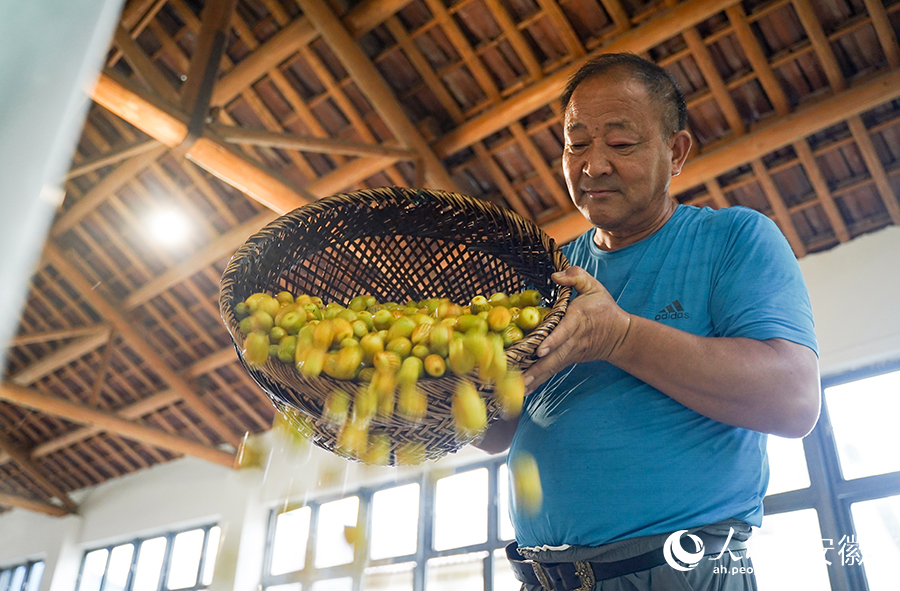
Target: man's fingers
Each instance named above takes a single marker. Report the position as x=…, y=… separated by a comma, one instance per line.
x=581, y=280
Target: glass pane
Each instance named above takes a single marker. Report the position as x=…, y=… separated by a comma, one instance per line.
x=787, y=465
x=18, y=578
x=863, y=414
x=285, y=587
x=149, y=565
x=460, y=510
x=212, y=550
x=504, y=580
x=186, y=550
x=5, y=576
x=787, y=553
x=878, y=534
x=119, y=566
x=506, y=529
x=393, y=577
x=332, y=547
x=291, y=535
x=34, y=578
x=395, y=521
x=345, y=584
x=94, y=567
x=451, y=573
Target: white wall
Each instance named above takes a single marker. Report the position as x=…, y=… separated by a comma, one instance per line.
x=854, y=290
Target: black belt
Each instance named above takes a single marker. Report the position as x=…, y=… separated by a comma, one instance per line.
x=581, y=575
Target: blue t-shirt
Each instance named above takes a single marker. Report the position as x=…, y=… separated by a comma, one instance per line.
x=618, y=458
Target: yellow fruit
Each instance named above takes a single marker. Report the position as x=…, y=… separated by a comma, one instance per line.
x=344, y=364
x=353, y=438
x=466, y=322
x=371, y=344
x=439, y=339
x=365, y=404
x=261, y=321
x=359, y=328
x=403, y=327
x=527, y=493
x=528, y=319
x=342, y=330
x=400, y=345
x=314, y=363
x=421, y=334
x=285, y=297
x=256, y=349
x=412, y=404
x=420, y=351
x=378, y=451
x=494, y=364
x=250, y=453
x=410, y=371
x=530, y=297
x=410, y=453
x=385, y=385
x=499, y=299
x=241, y=310
x=366, y=317
x=276, y=334
x=323, y=335
x=498, y=319
x=269, y=305
x=387, y=362
x=479, y=304
x=460, y=359
x=292, y=321
x=382, y=319
x=337, y=407
x=468, y=410
x=435, y=366
x=287, y=349
x=254, y=300
x=512, y=335
x=510, y=393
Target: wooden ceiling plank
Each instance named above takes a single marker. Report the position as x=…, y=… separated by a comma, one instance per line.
x=135, y=17
x=30, y=468
x=549, y=88
x=806, y=120
x=137, y=342
x=112, y=157
x=109, y=422
x=58, y=335
x=714, y=80
x=261, y=424
x=143, y=67
x=373, y=86
x=306, y=143
x=881, y=22
x=758, y=60
x=876, y=168
x=499, y=177
x=523, y=140
x=778, y=207
x=170, y=50
x=122, y=175
x=515, y=37
x=168, y=126
x=61, y=357
x=11, y=500
x=77, y=455
x=820, y=44
x=102, y=371
x=617, y=14
x=210, y=47
x=718, y=195
x=563, y=27
x=820, y=186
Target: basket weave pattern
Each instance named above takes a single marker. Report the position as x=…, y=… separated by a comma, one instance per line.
x=396, y=244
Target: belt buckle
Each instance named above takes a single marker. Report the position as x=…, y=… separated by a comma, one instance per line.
x=582, y=569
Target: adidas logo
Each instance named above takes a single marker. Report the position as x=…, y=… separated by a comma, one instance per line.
x=672, y=312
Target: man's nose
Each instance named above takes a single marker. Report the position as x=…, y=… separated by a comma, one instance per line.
x=596, y=162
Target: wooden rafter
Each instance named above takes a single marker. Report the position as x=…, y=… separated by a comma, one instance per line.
x=144, y=67
x=30, y=468
x=197, y=90
x=138, y=343
x=820, y=186
x=111, y=157
x=66, y=354
x=876, y=168
x=58, y=335
x=109, y=422
x=637, y=40
x=766, y=138
x=239, y=135
x=375, y=88
x=11, y=500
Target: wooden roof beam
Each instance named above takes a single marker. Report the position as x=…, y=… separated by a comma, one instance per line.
x=111, y=157
x=109, y=422
x=758, y=60
x=820, y=186
x=820, y=44
x=361, y=19
x=63, y=356
x=136, y=341
x=876, y=168
x=373, y=86
x=782, y=215
x=30, y=468
x=637, y=40
x=58, y=335
x=144, y=67
x=170, y=127
x=770, y=136
x=215, y=21
x=881, y=22
x=306, y=143
x=32, y=505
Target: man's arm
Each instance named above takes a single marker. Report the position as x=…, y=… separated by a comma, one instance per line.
x=768, y=386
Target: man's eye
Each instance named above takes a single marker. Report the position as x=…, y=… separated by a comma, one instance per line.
x=621, y=146
x=576, y=147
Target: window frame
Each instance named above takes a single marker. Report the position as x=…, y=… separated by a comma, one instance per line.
x=425, y=551
x=166, y=564
x=29, y=572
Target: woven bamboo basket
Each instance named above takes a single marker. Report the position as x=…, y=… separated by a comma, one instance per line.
x=396, y=244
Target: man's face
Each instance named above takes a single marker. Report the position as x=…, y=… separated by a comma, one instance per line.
x=616, y=160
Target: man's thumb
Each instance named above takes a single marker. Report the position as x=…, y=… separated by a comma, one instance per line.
x=576, y=277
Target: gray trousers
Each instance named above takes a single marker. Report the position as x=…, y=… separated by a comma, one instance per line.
x=726, y=573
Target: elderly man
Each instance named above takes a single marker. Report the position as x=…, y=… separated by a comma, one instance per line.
x=690, y=338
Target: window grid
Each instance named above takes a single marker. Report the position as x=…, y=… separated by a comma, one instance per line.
x=137, y=544
x=22, y=577
x=425, y=535
x=828, y=493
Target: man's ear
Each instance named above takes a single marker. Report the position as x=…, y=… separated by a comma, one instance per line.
x=681, y=145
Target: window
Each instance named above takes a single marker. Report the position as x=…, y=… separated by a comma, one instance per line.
x=22, y=577
x=176, y=561
x=434, y=534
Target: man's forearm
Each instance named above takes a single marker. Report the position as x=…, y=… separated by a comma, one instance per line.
x=768, y=386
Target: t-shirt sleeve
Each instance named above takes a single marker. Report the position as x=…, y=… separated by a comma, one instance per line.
x=758, y=290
